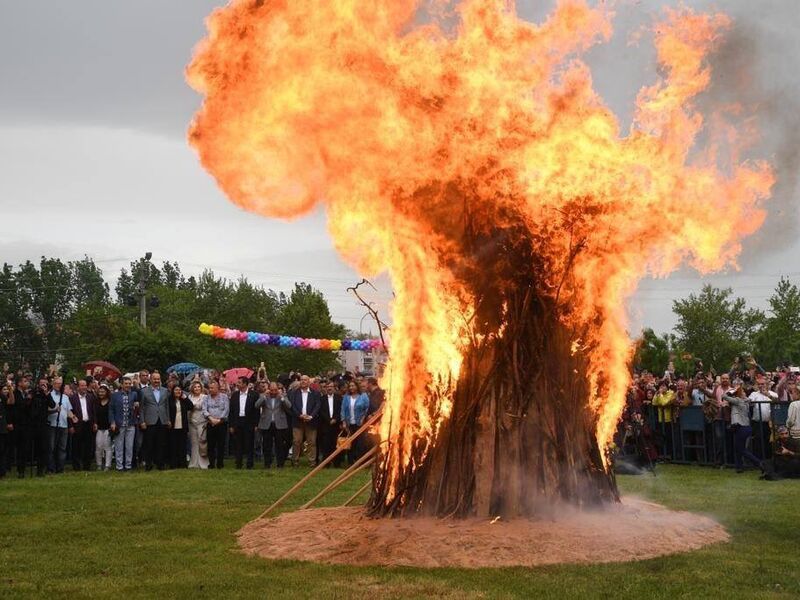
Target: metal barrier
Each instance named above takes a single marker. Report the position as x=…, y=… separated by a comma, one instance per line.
x=689, y=438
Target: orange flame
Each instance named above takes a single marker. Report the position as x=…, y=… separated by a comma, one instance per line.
x=351, y=104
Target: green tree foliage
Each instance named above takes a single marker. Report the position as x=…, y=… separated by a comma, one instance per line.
x=37, y=303
x=654, y=353
x=63, y=311
x=779, y=340
x=715, y=326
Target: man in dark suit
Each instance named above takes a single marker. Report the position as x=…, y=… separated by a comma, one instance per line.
x=329, y=423
x=29, y=418
x=154, y=415
x=306, y=405
x=242, y=421
x=83, y=439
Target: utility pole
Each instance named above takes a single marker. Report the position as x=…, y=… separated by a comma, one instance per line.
x=142, y=291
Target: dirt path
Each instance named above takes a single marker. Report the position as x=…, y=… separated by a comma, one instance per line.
x=633, y=530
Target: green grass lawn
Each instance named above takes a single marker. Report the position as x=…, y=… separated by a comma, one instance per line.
x=171, y=534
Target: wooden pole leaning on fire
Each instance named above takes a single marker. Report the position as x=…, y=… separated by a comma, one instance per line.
x=367, y=424
x=360, y=491
x=362, y=463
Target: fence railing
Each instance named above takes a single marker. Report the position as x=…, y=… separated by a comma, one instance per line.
x=689, y=437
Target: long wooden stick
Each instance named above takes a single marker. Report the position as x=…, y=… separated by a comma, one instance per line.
x=367, y=424
x=357, y=466
x=360, y=491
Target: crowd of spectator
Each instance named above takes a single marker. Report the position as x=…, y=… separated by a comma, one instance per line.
x=144, y=421
x=141, y=421
x=748, y=414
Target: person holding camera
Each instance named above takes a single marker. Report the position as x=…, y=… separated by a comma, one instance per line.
x=740, y=422
x=785, y=464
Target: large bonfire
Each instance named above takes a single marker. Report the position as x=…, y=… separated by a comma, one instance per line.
x=464, y=151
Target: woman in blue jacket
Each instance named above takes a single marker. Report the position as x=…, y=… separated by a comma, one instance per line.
x=355, y=405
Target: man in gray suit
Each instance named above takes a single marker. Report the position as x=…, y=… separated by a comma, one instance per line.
x=154, y=413
x=274, y=425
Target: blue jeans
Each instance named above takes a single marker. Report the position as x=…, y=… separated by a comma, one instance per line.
x=123, y=447
x=58, y=449
x=740, y=451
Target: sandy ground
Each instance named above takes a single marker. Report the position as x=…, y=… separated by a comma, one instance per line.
x=633, y=530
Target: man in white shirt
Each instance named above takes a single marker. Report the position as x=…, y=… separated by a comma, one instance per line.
x=760, y=418
x=83, y=439
x=306, y=405
x=793, y=420
x=329, y=424
x=243, y=422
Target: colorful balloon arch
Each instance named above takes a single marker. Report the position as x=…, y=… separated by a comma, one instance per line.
x=288, y=341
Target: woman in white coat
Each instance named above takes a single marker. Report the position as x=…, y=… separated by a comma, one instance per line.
x=197, y=428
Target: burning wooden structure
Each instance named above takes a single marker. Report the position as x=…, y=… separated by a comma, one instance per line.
x=464, y=152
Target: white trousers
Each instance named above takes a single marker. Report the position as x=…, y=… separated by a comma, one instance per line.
x=102, y=448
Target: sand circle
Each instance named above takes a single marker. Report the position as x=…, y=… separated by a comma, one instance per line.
x=632, y=530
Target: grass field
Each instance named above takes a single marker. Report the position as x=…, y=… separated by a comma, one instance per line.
x=171, y=534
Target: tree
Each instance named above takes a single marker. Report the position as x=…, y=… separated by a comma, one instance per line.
x=654, y=353
x=128, y=282
x=779, y=339
x=305, y=313
x=62, y=312
x=88, y=286
x=16, y=330
x=38, y=308
x=715, y=326
x=172, y=276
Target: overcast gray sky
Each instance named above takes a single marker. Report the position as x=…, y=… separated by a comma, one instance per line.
x=93, y=157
